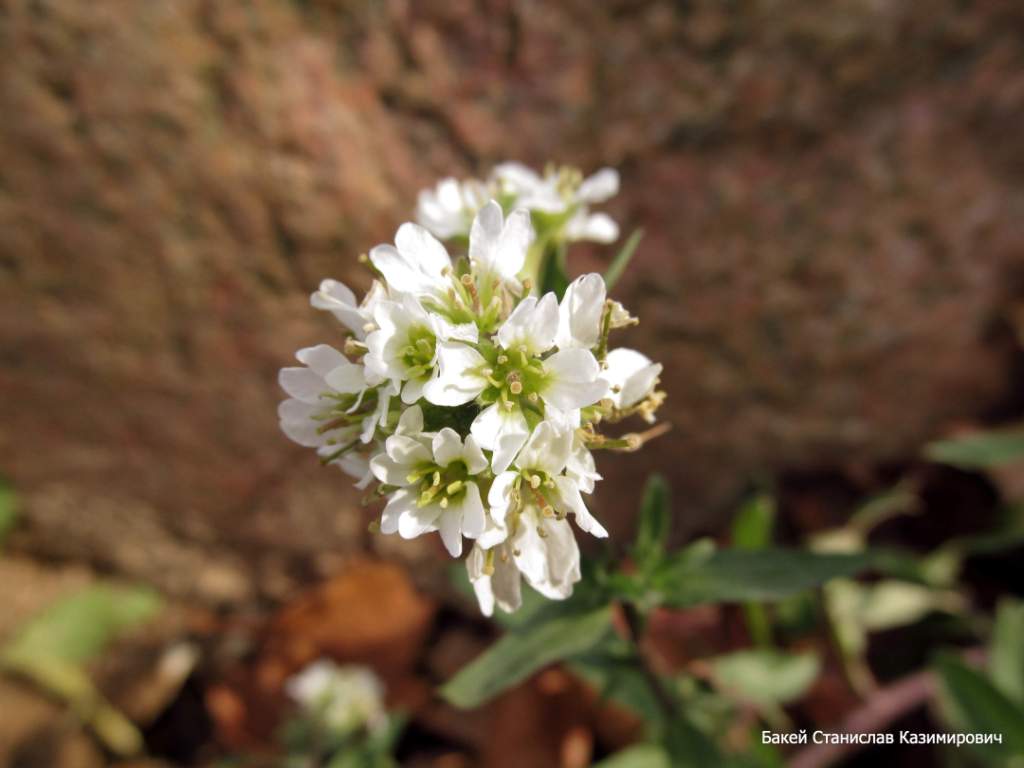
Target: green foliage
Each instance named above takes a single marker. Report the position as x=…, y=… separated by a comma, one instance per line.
x=981, y=450
x=766, y=677
x=78, y=627
x=1006, y=654
x=655, y=523
x=740, y=576
x=622, y=259
x=522, y=652
x=51, y=649
x=975, y=705
x=8, y=510
x=752, y=529
x=638, y=756
x=554, y=273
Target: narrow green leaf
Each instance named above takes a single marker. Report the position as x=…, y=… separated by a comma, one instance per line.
x=739, y=576
x=1006, y=656
x=518, y=655
x=622, y=259
x=655, y=520
x=976, y=706
x=77, y=627
x=637, y=756
x=980, y=450
x=766, y=676
x=752, y=527
x=8, y=510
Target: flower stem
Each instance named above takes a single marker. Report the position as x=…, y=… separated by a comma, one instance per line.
x=666, y=700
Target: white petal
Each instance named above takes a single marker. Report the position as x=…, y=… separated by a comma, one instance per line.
x=574, y=381
x=412, y=391
x=449, y=523
x=632, y=374
x=389, y=471
x=457, y=382
x=532, y=324
x=322, y=359
x=597, y=227
x=570, y=496
x=599, y=187
x=400, y=503
x=579, y=321
x=302, y=384
x=338, y=299
x=297, y=422
x=418, y=520
x=546, y=450
x=447, y=446
x=500, y=496
x=473, y=516
x=410, y=422
x=473, y=456
x=347, y=378
x=475, y=563
x=502, y=432
x=407, y=451
x=422, y=248
x=550, y=563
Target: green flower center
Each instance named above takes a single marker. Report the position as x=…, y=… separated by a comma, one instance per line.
x=418, y=354
x=445, y=486
x=515, y=379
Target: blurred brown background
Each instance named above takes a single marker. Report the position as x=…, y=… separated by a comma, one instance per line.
x=832, y=194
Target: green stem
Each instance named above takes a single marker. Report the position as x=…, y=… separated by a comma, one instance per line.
x=666, y=701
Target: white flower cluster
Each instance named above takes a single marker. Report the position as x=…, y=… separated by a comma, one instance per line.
x=559, y=200
x=344, y=698
x=472, y=404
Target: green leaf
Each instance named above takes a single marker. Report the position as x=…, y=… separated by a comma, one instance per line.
x=622, y=259
x=739, y=576
x=980, y=450
x=1006, y=656
x=76, y=628
x=519, y=654
x=766, y=676
x=688, y=746
x=974, y=705
x=752, y=527
x=8, y=510
x=637, y=756
x=655, y=521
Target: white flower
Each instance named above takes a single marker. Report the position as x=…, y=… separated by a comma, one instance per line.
x=538, y=480
x=436, y=489
x=543, y=550
x=448, y=209
x=338, y=299
x=332, y=407
x=579, y=314
x=631, y=376
x=561, y=191
x=497, y=245
x=403, y=348
x=310, y=416
x=417, y=263
x=535, y=539
x=345, y=698
x=517, y=378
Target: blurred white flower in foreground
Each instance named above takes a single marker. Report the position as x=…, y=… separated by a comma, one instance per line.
x=343, y=698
